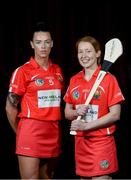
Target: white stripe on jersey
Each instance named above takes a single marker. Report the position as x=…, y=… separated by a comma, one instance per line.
x=34, y=76
x=28, y=114
x=75, y=88
x=13, y=78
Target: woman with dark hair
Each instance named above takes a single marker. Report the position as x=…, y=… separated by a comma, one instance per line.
x=37, y=86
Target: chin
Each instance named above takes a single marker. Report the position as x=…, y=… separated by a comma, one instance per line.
x=43, y=56
x=85, y=66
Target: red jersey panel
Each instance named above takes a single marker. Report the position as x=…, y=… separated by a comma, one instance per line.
x=40, y=90
x=107, y=94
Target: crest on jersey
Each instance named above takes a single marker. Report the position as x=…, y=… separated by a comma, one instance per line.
x=39, y=82
x=104, y=164
x=59, y=77
x=97, y=93
x=76, y=94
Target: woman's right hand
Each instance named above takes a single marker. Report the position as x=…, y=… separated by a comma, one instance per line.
x=81, y=109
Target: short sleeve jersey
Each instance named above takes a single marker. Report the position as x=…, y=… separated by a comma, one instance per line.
x=107, y=94
x=40, y=90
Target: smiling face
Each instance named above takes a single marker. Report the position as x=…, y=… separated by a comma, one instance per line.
x=87, y=55
x=42, y=44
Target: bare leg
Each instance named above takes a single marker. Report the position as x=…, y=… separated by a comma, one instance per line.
x=47, y=170
x=85, y=178
x=97, y=177
x=29, y=167
x=102, y=177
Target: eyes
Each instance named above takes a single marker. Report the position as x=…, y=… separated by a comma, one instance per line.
x=84, y=51
x=46, y=43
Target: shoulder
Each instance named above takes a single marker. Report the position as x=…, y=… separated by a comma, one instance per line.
x=76, y=76
x=110, y=79
x=27, y=65
x=110, y=76
x=22, y=69
x=56, y=69
x=56, y=66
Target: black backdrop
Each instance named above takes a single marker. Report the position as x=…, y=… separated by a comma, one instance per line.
x=69, y=20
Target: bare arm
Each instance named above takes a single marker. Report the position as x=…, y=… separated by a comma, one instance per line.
x=72, y=114
x=12, y=110
x=104, y=121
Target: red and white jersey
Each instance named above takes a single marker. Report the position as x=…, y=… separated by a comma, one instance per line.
x=39, y=89
x=107, y=94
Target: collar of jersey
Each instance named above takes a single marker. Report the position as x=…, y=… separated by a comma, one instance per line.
x=34, y=63
x=96, y=71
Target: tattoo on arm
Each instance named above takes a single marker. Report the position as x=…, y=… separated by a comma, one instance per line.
x=13, y=99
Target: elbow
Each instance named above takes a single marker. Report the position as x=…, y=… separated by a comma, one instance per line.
x=10, y=109
x=68, y=116
x=116, y=116
x=7, y=110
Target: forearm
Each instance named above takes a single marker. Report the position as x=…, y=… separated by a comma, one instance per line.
x=11, y=110
x=13, y=119
x=103, y=122
x=71, y=114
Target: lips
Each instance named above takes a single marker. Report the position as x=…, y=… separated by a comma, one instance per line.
x=85, y=60
x=43, y=52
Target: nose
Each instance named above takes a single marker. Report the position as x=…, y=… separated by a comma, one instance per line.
x=84, y=54
x=43, y=46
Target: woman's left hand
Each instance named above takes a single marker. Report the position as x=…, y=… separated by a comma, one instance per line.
x=78, y=125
